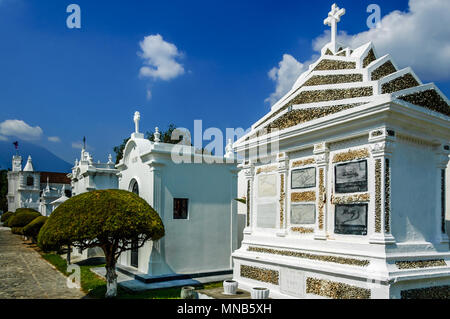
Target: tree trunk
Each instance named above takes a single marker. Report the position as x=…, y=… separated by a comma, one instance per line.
x=111, y=277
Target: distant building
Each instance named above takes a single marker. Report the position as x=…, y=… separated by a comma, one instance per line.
x=28, y=188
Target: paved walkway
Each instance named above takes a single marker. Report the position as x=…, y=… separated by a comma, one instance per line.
x=24, y=274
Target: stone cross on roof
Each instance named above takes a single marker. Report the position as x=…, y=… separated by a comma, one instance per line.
x=137, y=118
x=334, y=16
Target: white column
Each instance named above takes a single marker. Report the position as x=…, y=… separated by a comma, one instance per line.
x=249, y=172
x=442, y=152
x=321, y=153
x=382, y=146
x=283, y=175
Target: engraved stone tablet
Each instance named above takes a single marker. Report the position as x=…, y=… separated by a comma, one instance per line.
x=266, y=215
x=351, y=177
x=302, y=214
x=292, y=282
x=351, y=219
x=304, y=178
x=267, y=185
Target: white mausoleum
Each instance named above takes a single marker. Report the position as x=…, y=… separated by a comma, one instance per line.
x=28, y=188
x=195, y=200
x=351, y=204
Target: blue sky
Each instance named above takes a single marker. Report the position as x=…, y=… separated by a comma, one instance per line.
x=73, y=83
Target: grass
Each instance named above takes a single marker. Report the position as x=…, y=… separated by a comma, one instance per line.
x=95, y=286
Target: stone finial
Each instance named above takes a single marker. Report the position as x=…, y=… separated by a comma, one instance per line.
x=137, y=118
x=29, y=166
x=157, y=135
x=110, y=159
x=334, y=16
x=76, y=162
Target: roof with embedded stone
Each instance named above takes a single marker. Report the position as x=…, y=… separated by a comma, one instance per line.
x=346, y=79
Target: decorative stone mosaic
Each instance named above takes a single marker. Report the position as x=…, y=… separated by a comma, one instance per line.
x=420, y=264
x=302, y=230
x=248, y=203
x=304, y=162
x=266, y=169
x=384, y=70
x=439, y=292
x=328, y=52
x=330, y=95
x=341, y=53
x=331, y=259
x=335, y=290
x=333, y=79
x=429, y=99
x=378, y=196
x=282, y=197
x=321, y=203
x=387, y=196
x=260, y=274
x=303, y=197
x=370, y=57
x=377, y=133
x=295, y=117
x=350, y=199
x=326, y=65
x=404, y=82
x=351, y=155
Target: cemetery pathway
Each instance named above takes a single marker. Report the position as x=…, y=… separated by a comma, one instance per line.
x=24, y=274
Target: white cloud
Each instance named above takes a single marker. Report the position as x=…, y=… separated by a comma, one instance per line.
x=159, y=59
x=3, y=138
x=54, y=139
x=284, y=76
x=149, y=94
x=419, y=38
x=20, y=129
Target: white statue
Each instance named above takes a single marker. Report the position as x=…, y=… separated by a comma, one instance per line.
x=137, y=118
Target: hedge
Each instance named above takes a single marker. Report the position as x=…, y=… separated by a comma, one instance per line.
x=23, y=217
x=6, y=216
x=33, y=228
x=17, y=230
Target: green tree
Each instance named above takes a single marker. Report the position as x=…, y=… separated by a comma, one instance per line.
x=33, y=228
x=114, y=220
x=3, y=190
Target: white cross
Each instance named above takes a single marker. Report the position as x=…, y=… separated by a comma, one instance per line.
x=334, y=16
x=137, y=118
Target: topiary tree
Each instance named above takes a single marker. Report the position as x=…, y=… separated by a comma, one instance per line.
x=17, y=230
x=110, y=219
x=6, y=216
x=33, y=228
x=22, y=217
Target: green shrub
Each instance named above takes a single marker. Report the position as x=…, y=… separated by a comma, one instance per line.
x=33, y=228
x=17, y=230
x=6, y=216
x=23, y=217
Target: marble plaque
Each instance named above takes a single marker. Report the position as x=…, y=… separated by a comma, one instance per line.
x=266, y=216
x=292, y=282
x=303, y=178
x=351, y=219
x=303, y=214
x=351, y=177
x=267, y=185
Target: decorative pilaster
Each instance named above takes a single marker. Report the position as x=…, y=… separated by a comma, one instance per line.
x=382, y=146
x=283, y=173
x=442, y=156
x=321, y=153
x=249, y=172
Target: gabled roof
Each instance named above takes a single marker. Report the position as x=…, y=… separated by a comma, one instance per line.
x=347, y=79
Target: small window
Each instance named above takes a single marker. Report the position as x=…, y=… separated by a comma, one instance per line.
x=180, y=208
x=30, y=181
x=134, y=187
